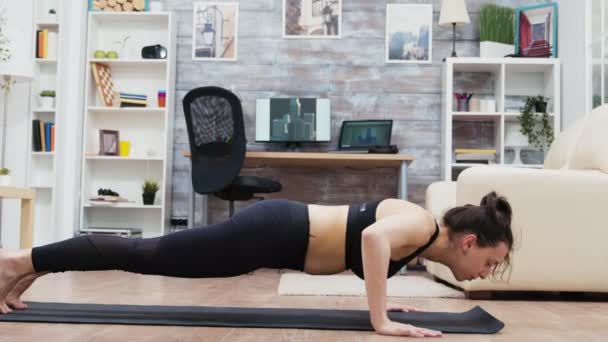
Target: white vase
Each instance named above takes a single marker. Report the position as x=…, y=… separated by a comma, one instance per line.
x=5, y=180
x=47, y=102
x=489, y=49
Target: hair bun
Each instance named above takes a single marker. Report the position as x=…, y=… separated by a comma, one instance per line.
x=495, y=204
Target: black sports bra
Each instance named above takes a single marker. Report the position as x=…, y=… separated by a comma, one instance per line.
x=361, y=216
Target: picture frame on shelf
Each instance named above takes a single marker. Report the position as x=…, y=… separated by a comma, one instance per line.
x=409, y=33
x=125, y=6
x=536, y=30
x=215, y=31
x=312, y=19
x=109, y=142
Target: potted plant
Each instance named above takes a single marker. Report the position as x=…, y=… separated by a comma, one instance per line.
x=539, y=135
x=47, y=99
x=496, y=31
x=149, y=191
x=5, y=178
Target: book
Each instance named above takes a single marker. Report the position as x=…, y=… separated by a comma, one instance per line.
x=36, y=146
x=475, y=156
x=47, y=135
x=53, y=137
x=38, y=43
x=42, y=137
x=129, y=104
x=51, y=41
x=474, y=150
x=45, y=46
x=111, y=231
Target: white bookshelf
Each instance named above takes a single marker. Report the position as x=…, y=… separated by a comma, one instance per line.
x=41, y=170
x=149, y=129
x=511, y=79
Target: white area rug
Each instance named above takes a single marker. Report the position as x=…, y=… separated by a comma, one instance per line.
x=301, y=284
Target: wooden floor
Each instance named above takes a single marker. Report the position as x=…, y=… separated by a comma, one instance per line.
x=525, y=320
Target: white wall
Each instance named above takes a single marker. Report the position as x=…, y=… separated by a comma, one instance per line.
x=19, y=28
x=572, y=50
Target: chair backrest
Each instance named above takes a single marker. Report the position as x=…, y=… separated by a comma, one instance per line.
x=216, y=133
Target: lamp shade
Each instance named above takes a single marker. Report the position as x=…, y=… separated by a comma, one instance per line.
x=453, y=12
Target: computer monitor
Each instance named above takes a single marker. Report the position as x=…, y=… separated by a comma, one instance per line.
x=292, y=120
x=357, y=134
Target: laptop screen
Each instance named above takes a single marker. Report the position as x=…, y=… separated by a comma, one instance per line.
x=362, y=134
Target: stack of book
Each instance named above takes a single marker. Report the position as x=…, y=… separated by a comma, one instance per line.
x=133, y=100
x=46, y=44
x=475, y=156
x=124, y=232
x=43, y=136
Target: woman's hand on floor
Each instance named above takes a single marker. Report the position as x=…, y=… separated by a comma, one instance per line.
x=401, y=307
x=391, y=328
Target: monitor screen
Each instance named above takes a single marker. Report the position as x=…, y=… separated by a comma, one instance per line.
x=365, y=133
x=293, y=119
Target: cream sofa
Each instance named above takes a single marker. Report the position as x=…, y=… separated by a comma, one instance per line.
x=560, y=213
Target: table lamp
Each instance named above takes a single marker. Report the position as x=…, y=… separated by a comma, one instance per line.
x=453, y=12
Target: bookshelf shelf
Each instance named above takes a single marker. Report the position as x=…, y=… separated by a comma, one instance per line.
x=505, y=82
x=41, y=166
x=118, y=158
x=149, y=129
x=122, y=206
x=127, y=110
x=44, y=110
x=132, y=62
x=46, y=61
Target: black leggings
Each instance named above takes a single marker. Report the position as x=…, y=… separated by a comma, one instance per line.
x=267, y=234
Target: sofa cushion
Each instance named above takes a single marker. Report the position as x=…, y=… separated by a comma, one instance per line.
x=560, y=153
x=591, y=151
x=440, y=196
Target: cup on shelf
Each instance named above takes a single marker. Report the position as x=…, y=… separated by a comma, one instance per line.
x=162, y=98
x=488, y=105
x=125, y=148
x=475, y=105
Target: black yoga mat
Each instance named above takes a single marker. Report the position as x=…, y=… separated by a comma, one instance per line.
x=476, y=320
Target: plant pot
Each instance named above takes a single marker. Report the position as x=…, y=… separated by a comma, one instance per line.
x=148, y=198
x=5, y=180
x=47, y=102
x=489, y=49
x=540, y=107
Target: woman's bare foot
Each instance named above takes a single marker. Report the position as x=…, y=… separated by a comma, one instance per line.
x=14, y=265
x=13, y=299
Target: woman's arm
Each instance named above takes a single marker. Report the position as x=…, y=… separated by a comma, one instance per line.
x=378, y=241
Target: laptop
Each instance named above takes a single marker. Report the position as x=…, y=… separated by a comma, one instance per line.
x=357, y=136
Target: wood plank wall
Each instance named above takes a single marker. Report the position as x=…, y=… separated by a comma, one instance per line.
x=351, y=72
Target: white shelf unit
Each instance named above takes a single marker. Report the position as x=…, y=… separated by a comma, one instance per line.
x=507, y=81
x=148, y=129
x=41, y=169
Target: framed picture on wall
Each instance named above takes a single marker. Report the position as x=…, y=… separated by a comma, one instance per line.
x=536, y=30
x=215, y=31
x=312, y=18
x=108, y=143
x=409, y=33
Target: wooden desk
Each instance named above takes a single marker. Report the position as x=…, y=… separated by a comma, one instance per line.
x=316, y=159
x=27, y=197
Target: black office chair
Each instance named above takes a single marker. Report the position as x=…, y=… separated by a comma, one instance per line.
x=216, y=132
